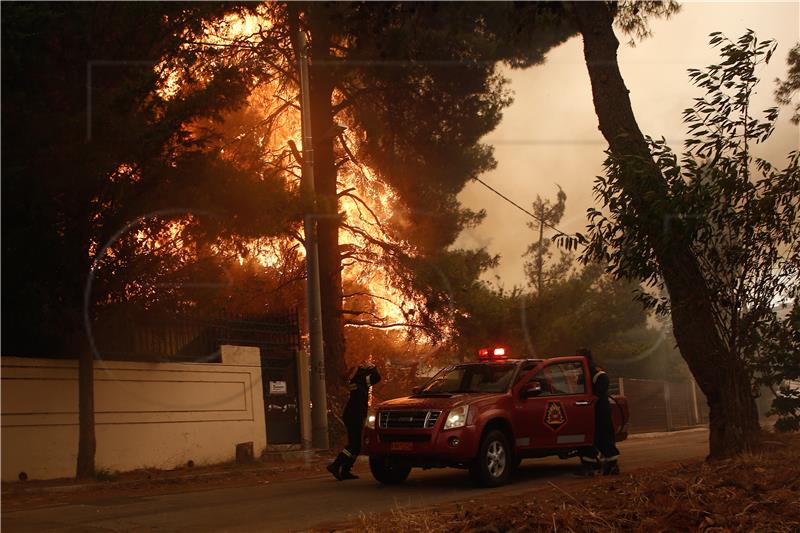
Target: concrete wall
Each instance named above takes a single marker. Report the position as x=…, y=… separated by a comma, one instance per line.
x=157, y=415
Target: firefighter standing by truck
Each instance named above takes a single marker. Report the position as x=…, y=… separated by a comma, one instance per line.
x=603, y=456
x=354, y=416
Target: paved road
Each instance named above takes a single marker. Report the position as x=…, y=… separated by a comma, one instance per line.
x=305, y=503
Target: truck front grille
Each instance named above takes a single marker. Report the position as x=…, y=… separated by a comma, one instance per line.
x=408, y=419
x=391, y=437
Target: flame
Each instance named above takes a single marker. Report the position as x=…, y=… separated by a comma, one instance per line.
x=370, y=201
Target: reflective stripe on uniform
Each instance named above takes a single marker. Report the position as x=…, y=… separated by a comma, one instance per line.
x=368, y=381
x=606, y=459
x=589, y=459
x=352, y=386
x=594, y=378
x=347, y=452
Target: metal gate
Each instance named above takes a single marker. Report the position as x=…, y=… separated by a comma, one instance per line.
x=278, y=338
x=281, y=398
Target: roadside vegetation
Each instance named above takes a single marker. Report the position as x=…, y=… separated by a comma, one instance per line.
x=757, y=491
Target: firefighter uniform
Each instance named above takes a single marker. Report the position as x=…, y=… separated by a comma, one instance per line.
x=604, y=434
x=354, y=416
x=603, y=455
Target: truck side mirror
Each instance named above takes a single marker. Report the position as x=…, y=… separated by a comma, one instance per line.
x=416, y=390
x=534, y=388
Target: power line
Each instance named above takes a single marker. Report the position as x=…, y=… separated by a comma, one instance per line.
x=515, y=204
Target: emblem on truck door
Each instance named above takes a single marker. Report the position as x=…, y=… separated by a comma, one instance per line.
x=554, y=415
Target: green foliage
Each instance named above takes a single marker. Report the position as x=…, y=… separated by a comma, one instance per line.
x=778, y=367
x=439, y=287
x=426, y=96
x=738, y=212
x=632, y=16
x=587, y=308
x=549, y=215
x=788, y=87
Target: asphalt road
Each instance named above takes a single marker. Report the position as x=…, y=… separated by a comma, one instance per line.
x=305, y=503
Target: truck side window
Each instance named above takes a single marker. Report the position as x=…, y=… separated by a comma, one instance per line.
x=574, y=376
x=523, y=370
x=561, y=378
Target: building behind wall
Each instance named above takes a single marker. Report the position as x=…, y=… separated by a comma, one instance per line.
x=181, y=392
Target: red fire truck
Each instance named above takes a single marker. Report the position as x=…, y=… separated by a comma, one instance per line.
x=487, y=416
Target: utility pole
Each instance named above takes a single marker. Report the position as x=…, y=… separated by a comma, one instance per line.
x=319, y=400
x=539, y=258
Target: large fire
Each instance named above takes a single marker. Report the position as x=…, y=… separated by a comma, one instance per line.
x=365, y=201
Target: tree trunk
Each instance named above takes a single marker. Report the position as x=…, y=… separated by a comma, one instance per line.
x=78, y=343
x=720, y=373
x=539, y=257
x=86, y=439
x=330, y=263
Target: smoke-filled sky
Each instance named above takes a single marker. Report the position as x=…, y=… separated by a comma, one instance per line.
x=549, y=134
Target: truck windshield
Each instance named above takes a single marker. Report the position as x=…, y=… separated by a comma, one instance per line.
x=477, y=377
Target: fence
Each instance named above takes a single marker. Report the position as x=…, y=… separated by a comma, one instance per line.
x=147, y=415
x=658, y=405
x=183, y=338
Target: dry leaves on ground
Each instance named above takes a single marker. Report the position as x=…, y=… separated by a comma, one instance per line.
x=753, y=492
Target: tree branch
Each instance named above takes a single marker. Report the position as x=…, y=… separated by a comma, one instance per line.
x=364, y=323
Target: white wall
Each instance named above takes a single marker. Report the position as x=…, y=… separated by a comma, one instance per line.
x=157, y=415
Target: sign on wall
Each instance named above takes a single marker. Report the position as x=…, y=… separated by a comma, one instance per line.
x=277, y=387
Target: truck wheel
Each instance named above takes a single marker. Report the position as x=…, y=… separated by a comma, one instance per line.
x=493, y=465
x=387, y=470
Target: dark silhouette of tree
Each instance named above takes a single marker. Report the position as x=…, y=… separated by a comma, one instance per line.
x=548, y=215
x=655, y=232
x=91, y=146
x=788, y=88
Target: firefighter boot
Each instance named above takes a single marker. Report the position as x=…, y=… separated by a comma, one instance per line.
x=588, y=468
x=611, y=468
x=346, y=466
x=347, y=474
x=335, y=467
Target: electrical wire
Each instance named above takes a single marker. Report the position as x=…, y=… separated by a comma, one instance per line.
x=512, y=202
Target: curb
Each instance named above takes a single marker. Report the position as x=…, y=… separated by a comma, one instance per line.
x=666, y=433
x=157, y=479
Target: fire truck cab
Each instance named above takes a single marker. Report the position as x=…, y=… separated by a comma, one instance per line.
x=487, y=416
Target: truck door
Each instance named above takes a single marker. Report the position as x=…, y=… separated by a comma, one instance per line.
x=562, y=414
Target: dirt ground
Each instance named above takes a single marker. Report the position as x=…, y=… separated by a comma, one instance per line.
x=757, y=492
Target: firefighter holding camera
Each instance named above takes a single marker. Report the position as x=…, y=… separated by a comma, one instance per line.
x=354, y=416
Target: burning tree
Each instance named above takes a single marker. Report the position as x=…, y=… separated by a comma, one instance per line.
x=416, y=103
x=80, y=168
x=179, y=167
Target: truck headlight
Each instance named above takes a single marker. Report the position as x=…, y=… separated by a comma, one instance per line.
x=370, y=423
x=457, y=417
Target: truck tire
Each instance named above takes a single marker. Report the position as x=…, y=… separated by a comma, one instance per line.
x=494, y=463
x=387, y=470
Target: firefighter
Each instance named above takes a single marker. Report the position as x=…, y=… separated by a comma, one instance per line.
x=354, y=416
x=603, y=456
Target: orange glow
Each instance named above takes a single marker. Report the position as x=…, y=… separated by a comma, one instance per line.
x=366, y=201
